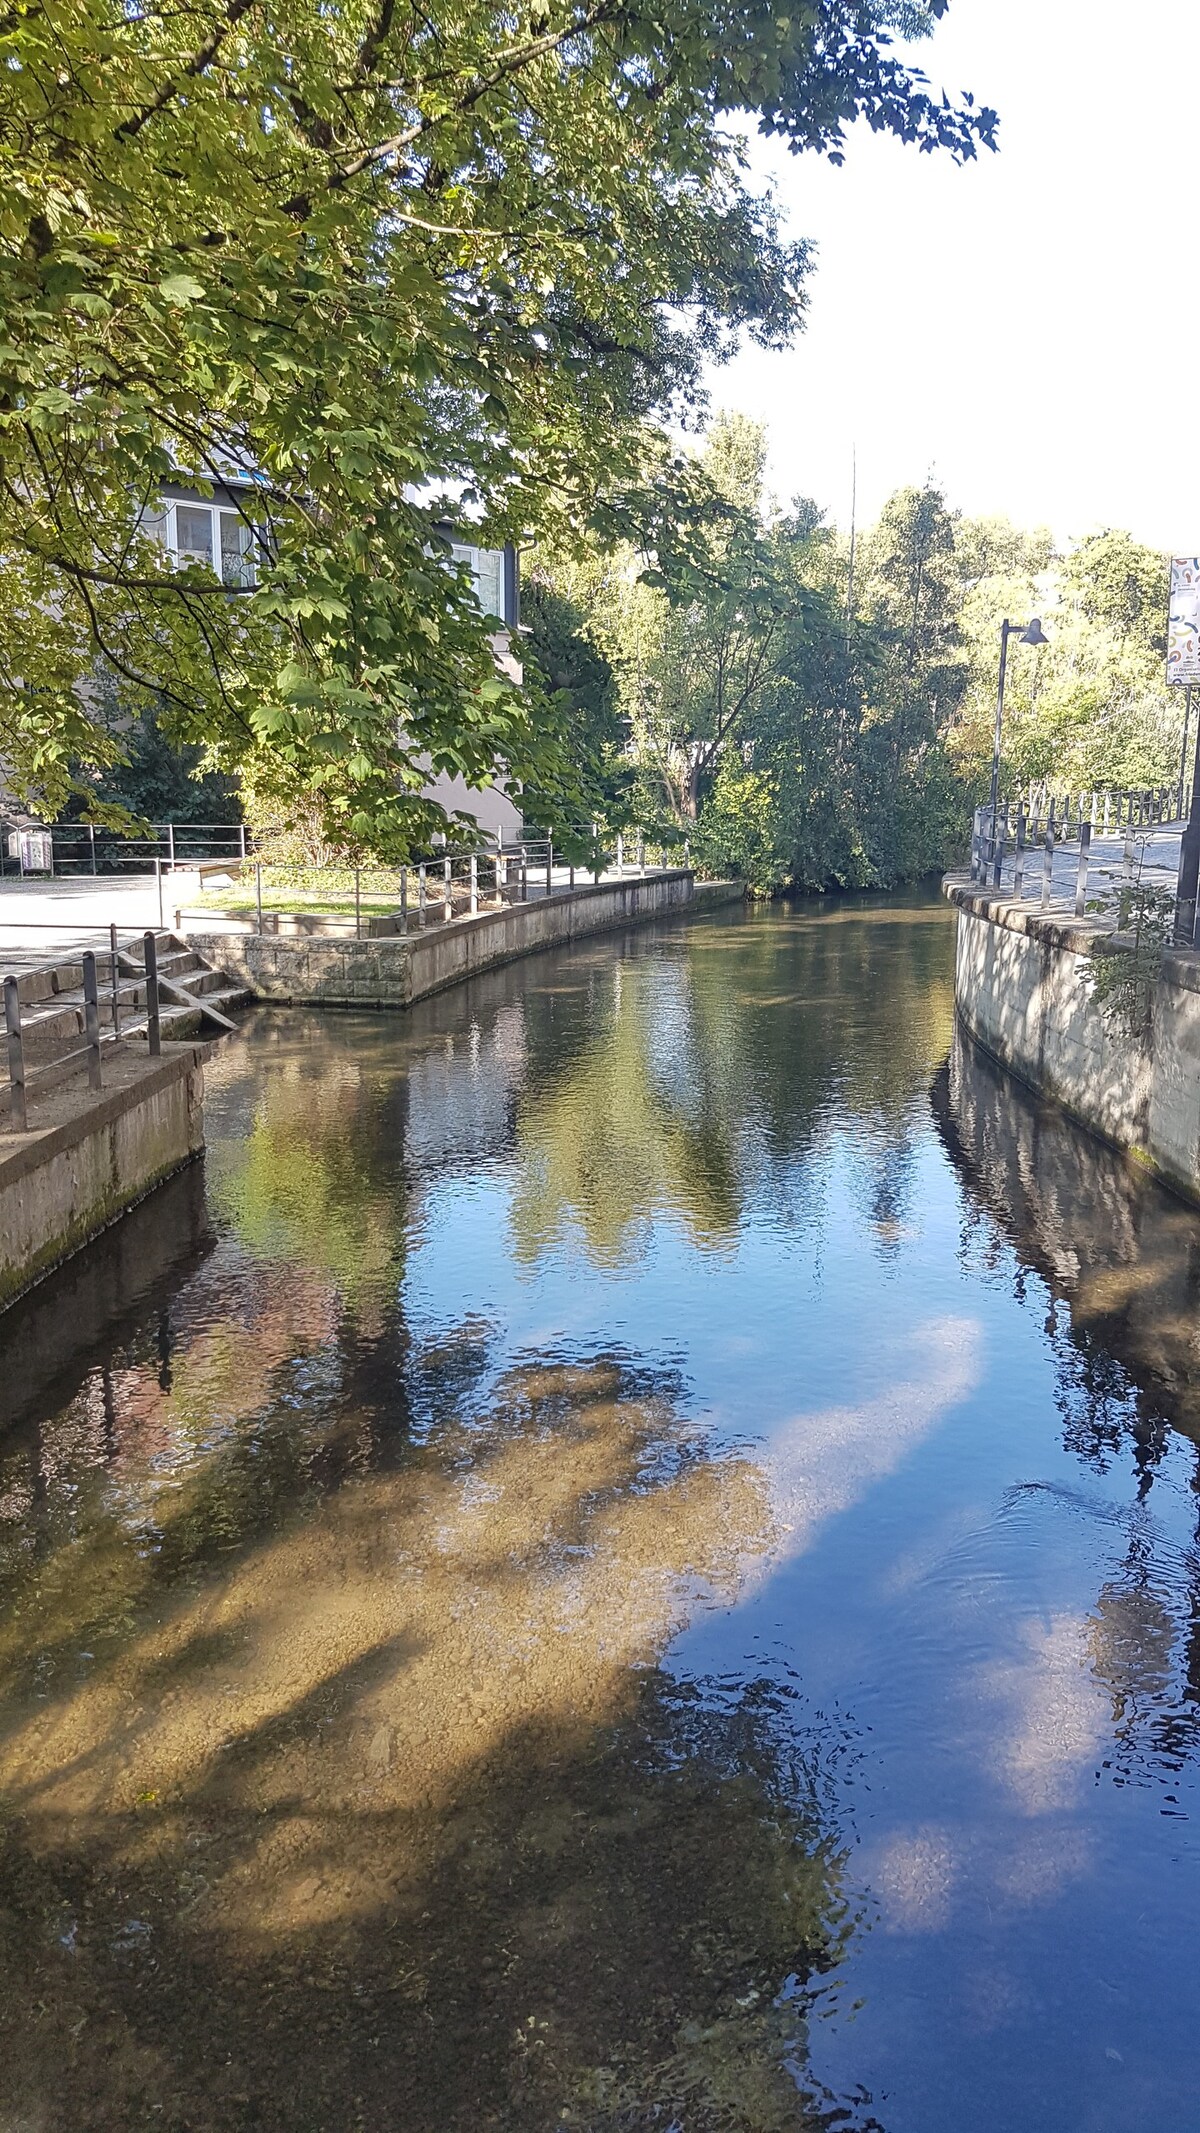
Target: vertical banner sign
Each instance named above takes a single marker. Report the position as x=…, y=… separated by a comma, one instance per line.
x=1183, y=622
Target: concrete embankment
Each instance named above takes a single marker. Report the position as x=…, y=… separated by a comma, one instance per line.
x=390, y=970
x=1024, y=988
x=89, y=1157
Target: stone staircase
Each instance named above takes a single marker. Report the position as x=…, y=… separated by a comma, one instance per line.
x=196, y=998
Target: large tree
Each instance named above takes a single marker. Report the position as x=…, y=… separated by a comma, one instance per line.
x=393, y=260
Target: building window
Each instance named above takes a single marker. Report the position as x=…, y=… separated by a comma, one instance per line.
x=205, y=533
x=487, y=567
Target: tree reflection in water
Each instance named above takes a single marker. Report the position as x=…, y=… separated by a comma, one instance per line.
x=343, y=1785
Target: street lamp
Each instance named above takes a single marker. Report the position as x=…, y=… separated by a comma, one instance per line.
x=1025, y=633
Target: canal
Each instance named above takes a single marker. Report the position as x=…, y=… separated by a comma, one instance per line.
x=622, y=1556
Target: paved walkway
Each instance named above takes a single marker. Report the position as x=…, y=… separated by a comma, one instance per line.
x=45, y=922
x=1152, y=857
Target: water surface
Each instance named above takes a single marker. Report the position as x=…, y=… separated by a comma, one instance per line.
x=624, y=1556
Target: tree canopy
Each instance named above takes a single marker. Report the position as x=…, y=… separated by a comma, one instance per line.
x=395, y=263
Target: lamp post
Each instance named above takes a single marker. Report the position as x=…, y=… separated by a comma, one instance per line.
x=1025, y=633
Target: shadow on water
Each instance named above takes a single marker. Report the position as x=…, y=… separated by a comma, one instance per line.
x=508, y=1570
x=343, y=1785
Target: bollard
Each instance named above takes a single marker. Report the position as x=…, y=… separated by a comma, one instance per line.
x=91, y=1018
x=422, y=893
x=16, y=1055
x=258, y=891
x=116, y=981
x=1019, y=856
x=153, y=1027
x=474, y=885
x=1085, y=846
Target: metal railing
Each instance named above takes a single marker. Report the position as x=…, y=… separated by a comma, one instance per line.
x=454, y=883
x=142, y=986
x=1031, y=838
x=84, y=848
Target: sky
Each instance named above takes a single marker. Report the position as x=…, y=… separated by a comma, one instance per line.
x=1026, y=328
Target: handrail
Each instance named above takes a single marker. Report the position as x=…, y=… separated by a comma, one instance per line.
x=458, y=882
x=24, y=1079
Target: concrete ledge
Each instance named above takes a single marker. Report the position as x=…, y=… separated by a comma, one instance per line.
x=1023, y=987
x=398, y=971
x=92, y=1157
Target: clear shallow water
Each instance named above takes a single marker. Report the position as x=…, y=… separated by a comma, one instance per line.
x=623, y=1556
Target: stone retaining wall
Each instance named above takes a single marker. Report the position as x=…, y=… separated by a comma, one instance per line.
x=397, y=971
x=65, y=1180
x=1024, y=989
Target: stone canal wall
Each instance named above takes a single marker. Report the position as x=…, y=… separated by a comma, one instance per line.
x=88, y=1158
x=1024, y=988
x=395, y=971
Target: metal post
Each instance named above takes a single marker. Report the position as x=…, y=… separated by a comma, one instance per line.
x=242, y=842
x=998, y=852
x=422, y=894
x=994, y=793
x=91, y=1018
x=258, y=891
x=116, y=981
x=1048, y=860
x=501, y=874
x=92, y=844
x=620, y=852
x=447, y=892
x=687, y=852
x=153, y=1028
x=1107, y=803
x=1085, y=848
x=549, y=865
x=171, y=846
x=641, y=857
x=404, y=899
x=357, y=907
x=976, y=837
x=1019, y=857
x=1189, y=862
x=474, y=884
x=16, y=1055
x=571, y=875
x=523, y=876
x=158, y=878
